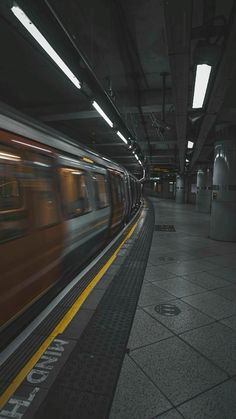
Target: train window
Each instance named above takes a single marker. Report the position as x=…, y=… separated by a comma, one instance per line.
x=44, y=194
x=10, y=196
x=101, y=195
x=12, y=213
x=75, y=192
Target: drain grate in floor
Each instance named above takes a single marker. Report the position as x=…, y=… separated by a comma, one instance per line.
x=167, y=310
x=165, y=227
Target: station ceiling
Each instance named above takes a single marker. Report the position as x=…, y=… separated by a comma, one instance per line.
x=138, y=58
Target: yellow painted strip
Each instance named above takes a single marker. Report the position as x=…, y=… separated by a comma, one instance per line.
x=61, y=325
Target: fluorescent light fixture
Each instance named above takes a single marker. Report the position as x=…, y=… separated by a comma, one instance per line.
x=32, y=146
x=99, y=110
x=31, y=28
x=76, y=172
x=41, y=164
x=135, y=155
x=190, y=144
x=7, y=156
x=122, y=137
x=87, y=160
x=201, y=82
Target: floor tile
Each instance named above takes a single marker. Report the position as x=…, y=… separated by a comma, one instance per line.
x=189, y=318
x=225, y=273
x=206, y=280
x=228, y=292
x=146, y=330
x=179, y=287
x=230, y=322
x=212, y=304
x=171, y=414
x=151, y=294
x=136, y=396
x=217, y=342
x=179, y=371
x=184, y=268
x=217, y=403
x=154, y=273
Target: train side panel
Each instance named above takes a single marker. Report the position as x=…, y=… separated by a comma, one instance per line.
x=31, y=241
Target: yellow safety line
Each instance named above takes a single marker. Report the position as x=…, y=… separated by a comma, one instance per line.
x=61, y=326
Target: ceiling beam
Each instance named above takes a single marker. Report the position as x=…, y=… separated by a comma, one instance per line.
x=141, y=143
x=154, y=157
x=90, y=114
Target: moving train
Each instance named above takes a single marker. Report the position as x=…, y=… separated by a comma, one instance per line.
x=59, y=204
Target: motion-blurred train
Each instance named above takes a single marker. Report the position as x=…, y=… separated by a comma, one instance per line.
x=59, y=204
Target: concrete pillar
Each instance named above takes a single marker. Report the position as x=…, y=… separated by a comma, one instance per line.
x=223, y=212
x=180, y=190
x=204, y=187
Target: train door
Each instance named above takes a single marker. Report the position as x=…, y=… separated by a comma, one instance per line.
x=23, y=244
x=118, y=200
x=47, y=219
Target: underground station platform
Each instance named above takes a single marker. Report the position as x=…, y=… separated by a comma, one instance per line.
x=147, y=330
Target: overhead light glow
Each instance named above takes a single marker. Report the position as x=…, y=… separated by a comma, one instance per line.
x=122, y=137
x=190, y=144
x=41, y=164
x=87, y=160
x=76, y=172
x=201, y=82
x=32, y=146
x=135, y=155
x=100, y=111
x=31, y=28
x=187, y=160
x=7, y=156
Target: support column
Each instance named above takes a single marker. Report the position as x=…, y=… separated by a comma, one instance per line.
x=204, y=186
x=223, y=213
x=180, y=190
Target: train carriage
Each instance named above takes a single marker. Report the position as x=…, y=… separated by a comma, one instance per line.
x=59, y=204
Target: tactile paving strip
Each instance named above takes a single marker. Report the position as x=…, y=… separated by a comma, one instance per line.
x=18, y=359
x=93, y=366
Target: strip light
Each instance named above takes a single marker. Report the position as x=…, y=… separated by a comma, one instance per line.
x=122, y=137
x=7, y=156
x=201, y=83
x=136, y=156
x=31, y=28
x=190, y=144
x=32, y=146
x=100, y=111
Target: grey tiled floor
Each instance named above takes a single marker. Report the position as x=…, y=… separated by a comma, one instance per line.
x=184, y=365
